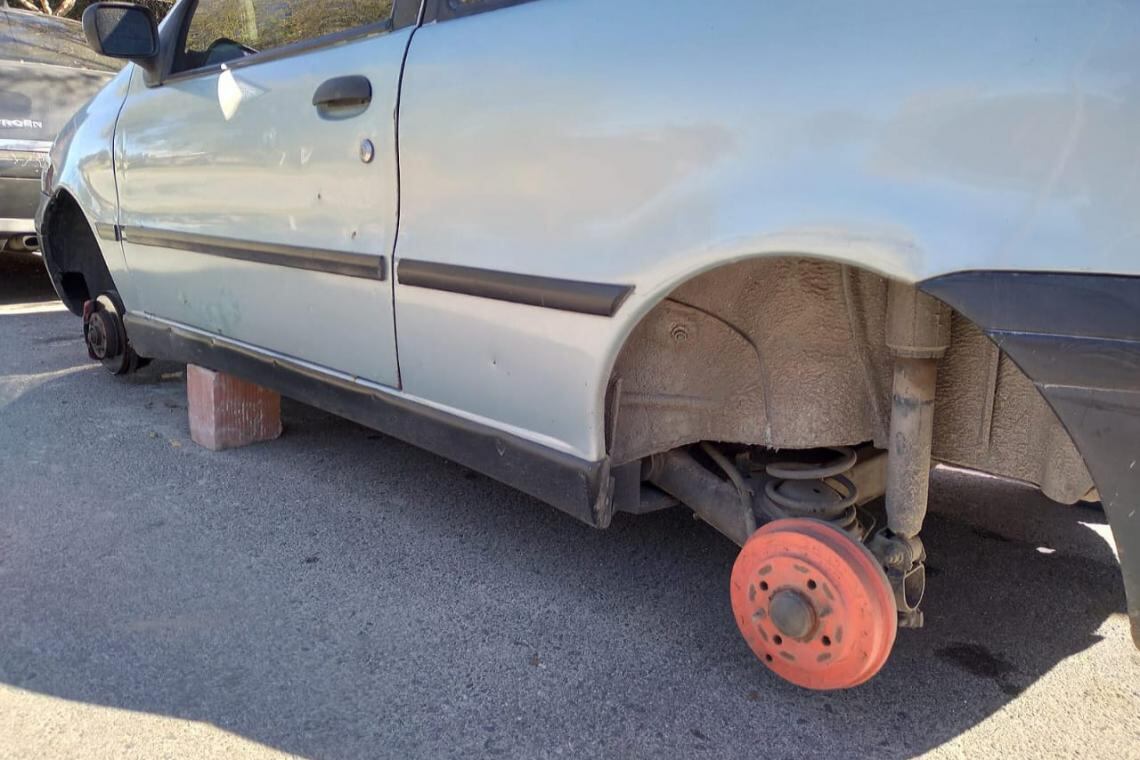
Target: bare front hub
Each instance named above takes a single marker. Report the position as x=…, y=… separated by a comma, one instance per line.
x=106, y=336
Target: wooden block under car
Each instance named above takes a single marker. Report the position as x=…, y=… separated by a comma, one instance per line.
x=227, y=412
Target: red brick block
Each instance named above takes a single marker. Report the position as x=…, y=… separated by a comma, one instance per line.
x=227, y=412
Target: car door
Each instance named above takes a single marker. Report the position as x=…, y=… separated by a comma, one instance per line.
x=258, y=180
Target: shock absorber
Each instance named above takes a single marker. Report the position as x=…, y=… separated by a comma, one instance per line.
x=918, y=334
x=815, y=486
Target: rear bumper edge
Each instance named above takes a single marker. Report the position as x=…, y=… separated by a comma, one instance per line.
x=1077, y=337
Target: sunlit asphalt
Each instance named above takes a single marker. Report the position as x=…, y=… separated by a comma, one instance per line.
x=337, y=593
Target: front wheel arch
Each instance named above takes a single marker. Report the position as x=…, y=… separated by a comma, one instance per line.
x=72, y=255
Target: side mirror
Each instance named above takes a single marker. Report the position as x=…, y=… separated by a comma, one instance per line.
x=122, y=30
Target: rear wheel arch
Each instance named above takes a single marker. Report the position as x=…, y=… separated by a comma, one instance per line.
x=788, y=351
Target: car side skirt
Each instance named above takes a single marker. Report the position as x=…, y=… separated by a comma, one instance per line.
x=569, y=483
x=1077, y=337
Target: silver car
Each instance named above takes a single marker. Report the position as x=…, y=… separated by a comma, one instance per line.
x=768, y=261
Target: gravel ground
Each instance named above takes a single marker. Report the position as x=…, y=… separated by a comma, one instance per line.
x=337, y=593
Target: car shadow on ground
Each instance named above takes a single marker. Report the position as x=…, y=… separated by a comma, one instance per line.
x=338, y=593
x=23, y=279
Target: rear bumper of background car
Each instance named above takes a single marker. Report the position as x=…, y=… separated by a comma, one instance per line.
x=18, y=200
x=1077, y=337
x=11, y=227
x=21, y=163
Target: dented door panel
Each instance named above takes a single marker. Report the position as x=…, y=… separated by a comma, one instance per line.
x=219, y=205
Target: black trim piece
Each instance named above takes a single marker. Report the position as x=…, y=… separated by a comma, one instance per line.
x=1078, y=361
x=601, y=299
x=171, y=40
x=332, y=262
x=108, y=231
x=407, y=13
x=444, y=10
x=1105, y=425
x=1089, y=305
x=561, y=480
x=1077, y=337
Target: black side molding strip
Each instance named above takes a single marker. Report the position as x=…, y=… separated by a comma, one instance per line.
x=333, y=262
x=567, y=482
x=601, y=299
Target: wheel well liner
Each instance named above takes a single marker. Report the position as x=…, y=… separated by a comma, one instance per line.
x=790, y=352
x=71, y=253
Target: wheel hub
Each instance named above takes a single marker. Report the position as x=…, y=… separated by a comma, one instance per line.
x=106, y=336
x=793, y=614
x=814, y=605
x=102, y=338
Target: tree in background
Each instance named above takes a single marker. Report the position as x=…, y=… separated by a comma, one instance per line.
x=75, y=8
x=266, y=24
x=57, y=8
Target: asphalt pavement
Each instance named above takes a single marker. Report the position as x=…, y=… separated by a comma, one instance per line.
x=339, y=594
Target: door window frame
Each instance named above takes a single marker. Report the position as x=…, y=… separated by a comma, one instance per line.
x=405, y=13
x=445, y=10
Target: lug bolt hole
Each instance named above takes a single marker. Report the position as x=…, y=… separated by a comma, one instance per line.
x=811, y=584
x=763, y=585
x=778, y=640
x=767, y=658
x=826, y=641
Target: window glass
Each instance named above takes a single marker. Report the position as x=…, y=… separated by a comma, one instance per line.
x=223, y=30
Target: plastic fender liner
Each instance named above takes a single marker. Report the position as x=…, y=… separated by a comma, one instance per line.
x=1077, y=337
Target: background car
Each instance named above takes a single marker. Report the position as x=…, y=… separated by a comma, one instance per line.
x=47, y=72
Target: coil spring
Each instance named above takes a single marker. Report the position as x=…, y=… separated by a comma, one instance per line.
x=816, y=489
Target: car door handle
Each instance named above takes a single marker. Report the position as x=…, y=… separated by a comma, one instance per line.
x=343, y=92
